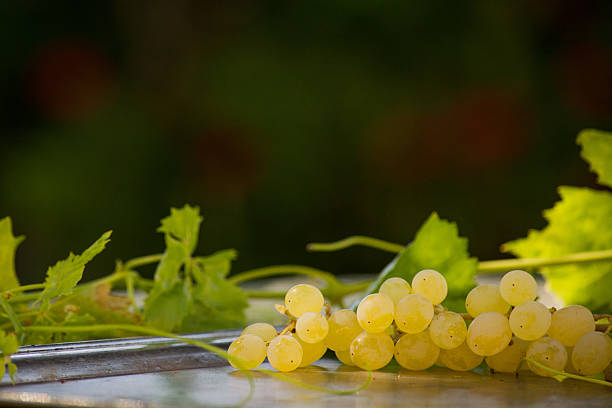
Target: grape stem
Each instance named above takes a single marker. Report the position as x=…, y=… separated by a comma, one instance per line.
x=562, y=375
x=494, y=266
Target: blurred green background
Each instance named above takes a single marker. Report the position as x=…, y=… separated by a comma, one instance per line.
x=290, y=122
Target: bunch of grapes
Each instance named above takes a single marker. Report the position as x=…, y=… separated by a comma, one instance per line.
x=507, y=329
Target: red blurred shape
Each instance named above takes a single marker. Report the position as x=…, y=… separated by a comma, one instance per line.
x=69, y=80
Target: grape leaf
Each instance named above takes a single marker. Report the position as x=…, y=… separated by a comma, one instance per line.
x=438, y=246
x=8, y=344
x=183, y=225
x=220, y=261
x=8, y=246
x=581, y=221
x=597, y=150
x=165, y=309
x=65, y=274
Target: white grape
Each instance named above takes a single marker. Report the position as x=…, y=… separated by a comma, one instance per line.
x=510, y=359
x=485, y=298
x=375, y=313
x=548, y=352
x=416, y=351
x=570, y=323
x=304, y=298
x=448, y=330
x=343, y=328
x=247, y=352
x=530, y=320
x=395, y=289
x=311, y=352
x=592, y=353
x=312, y=327
x=345, y=357
x=489, y=334
x=263, y=330
x=430, y=284
x=518, y=287
x=413, y=313
x=460, y=358
x=371, y=351
x=285, y=353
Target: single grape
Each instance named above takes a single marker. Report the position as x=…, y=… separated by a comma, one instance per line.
x=448, y=330
x=304, y=298
x=518, y=287
x=413, y=313
x=285, y=353
x=530, y=320
x=312, y=327
x=247, y=352
x=489, y=334
x=375, y=313
x=395, y=289
x=263, y=330
x=311, y=352
x=345, y=357
x=371, y=351
x=549, y=352
x=343, y=328
x=570, y=323
x=431, y=284
x=592, y=353
x=460, y=358
x=485, y=298
x=416, y=351
x=511, y=358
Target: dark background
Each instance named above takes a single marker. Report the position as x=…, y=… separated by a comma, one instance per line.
x=290, y=122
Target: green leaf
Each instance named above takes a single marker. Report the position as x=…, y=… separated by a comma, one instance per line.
x=165, y=309
x=65, y=274
x=437, y=245
x=8, y=247
x=581, y=221
x=8, y=344
x=183, y=224
x=167, y=272
x=597, y=150
x=219, y=262
x=12, y=368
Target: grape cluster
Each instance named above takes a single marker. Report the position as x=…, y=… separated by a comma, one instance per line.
x=407, y=322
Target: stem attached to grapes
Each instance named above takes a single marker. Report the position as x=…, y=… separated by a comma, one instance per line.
x=562, y=375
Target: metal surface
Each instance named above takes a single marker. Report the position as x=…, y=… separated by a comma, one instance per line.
x=98, y=358
x=224, y=386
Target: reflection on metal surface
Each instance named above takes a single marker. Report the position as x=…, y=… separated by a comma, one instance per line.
x=87, y=359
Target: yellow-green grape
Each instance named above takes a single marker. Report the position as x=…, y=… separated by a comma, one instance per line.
x=247, y=352
x=263, y=330
x=416, y=351
x=518, y=287
x=592, y=353
x=485, y=298
x=530, y=320
x=447, y=330
x=549, y=352
x=285, y=353
x=345, y=357
x=489, y=334
x=375, y=313
x=304, y=298
x=460, y=358
x=571, y=323
x=343, y=328
x=311, y=352
x=413, y=313
x=312, y=327
x=371, y=351
x=430, y=284
x=395, y=288
x=509, y=360
x=569, y=366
